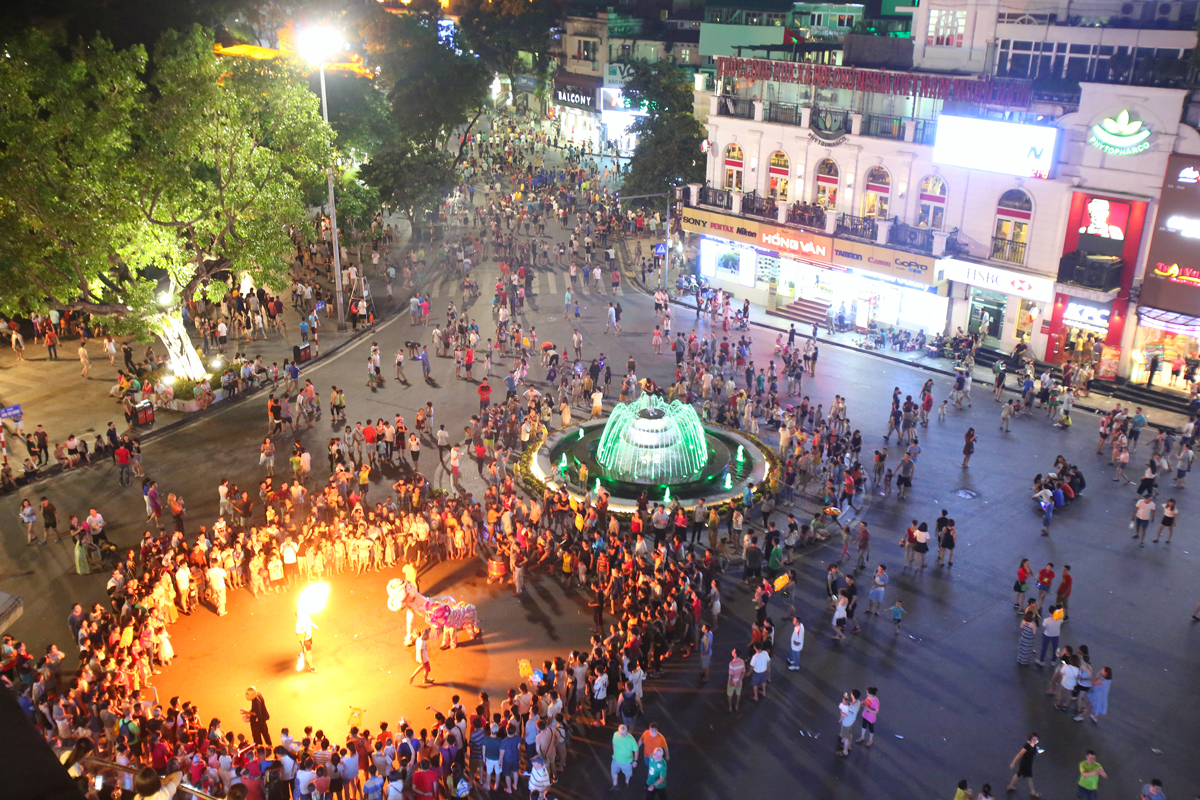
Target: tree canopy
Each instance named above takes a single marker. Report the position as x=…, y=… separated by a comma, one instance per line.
x=117, y=180
x=669, y=136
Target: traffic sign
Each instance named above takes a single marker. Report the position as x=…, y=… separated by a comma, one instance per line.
x=319, y=305
x=660, y=249
x=10, y=412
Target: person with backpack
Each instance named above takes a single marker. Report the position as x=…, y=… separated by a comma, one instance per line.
x=457, y=783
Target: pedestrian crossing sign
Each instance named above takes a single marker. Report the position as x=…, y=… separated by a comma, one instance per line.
x=660, y=249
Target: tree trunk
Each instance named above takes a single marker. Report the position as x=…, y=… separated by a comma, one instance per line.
x=182, y=358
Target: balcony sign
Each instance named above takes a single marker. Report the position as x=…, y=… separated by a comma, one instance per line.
x=1121, y=135
x=1027, y=151
x=1005, y=281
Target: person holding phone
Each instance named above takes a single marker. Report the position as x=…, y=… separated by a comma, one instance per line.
x=1022, y=764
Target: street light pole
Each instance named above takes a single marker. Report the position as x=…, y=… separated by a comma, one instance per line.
x=333, y=226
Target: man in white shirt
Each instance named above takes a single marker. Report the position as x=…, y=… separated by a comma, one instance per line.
x=216, y=583
x=797, y=644
x=760, y=662
x=1143, y=515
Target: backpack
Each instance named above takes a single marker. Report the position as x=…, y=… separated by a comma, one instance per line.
x=462, y=788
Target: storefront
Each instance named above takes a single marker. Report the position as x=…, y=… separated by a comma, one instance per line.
x=574, y=109
x=1084, y=322
x=863, y=282
x=1169, y=304
x=1003, y=304
x=617, y=115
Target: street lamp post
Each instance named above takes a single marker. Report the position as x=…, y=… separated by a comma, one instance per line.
x=316, y=44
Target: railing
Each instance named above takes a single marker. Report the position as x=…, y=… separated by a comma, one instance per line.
x=1008, y=250
x=756, y=206
x=830, y=120
x=98, y=766
x=955, y=245
x=925, y=131
x=1100, y=273
x=906, y=236
x=716, y=197
x=783, y=113
x=685, y=194
x=883, y=127
x=735, y=107
x=856, y=227
x=807, y=216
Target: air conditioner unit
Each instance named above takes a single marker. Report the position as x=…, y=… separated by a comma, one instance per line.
x=1131, y=9
x=1167, y=11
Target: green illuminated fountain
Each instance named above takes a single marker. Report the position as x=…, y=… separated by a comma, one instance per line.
x=652, y=441
x=654, y=449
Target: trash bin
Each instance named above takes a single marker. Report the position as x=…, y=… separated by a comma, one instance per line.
x=302, y=353
x=144, y=413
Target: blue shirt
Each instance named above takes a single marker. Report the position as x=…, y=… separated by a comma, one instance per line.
x=897, y=613
x=373, y=789
x=511, y=749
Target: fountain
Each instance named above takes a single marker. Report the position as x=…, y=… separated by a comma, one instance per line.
x=654, y=447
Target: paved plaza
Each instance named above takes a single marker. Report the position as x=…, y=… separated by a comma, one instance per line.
x=955, y=704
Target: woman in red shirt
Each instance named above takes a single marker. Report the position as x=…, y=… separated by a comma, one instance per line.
x=1021, y=586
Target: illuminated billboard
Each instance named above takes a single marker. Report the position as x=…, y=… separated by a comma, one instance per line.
x=1006, y=147
x=1172, y=279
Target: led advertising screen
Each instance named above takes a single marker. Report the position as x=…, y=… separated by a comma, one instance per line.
x=1172, y=280
x=1102, y=226
x=1027, y=151
x=728, y=261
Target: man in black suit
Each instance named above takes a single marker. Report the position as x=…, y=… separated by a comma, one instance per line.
x=257, y=716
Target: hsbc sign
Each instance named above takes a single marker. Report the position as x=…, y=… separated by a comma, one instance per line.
x=1005, y=281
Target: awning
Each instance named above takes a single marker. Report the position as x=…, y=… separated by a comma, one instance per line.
x=1169, y=321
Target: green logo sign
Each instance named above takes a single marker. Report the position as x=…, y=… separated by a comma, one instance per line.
x=1120, y=136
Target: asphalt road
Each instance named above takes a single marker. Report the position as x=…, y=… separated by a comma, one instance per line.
x=954, y=702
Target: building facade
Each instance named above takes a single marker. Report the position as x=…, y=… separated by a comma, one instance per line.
x=1028, y=212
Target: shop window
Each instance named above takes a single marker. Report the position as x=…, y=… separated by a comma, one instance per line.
x=733, y=168
x=933, y=204
x=828, y=176
x=877, y=193
x=779, y=176
x=1013, y=215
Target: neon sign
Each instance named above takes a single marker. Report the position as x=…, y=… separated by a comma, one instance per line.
x=1188, y=276
x=1120, y=136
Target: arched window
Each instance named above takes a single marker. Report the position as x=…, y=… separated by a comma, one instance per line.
x=877, y=192
x=733, y=168
x=933, y=204
x=778, y=173
x=828, y=177
x=1013, y=215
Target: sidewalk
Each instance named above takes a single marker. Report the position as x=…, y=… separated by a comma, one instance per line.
x=1095, y=402
x=54, y=395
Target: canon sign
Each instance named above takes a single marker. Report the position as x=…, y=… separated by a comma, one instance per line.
x=784, y=242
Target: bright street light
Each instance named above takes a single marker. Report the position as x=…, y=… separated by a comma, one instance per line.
x=316, y=45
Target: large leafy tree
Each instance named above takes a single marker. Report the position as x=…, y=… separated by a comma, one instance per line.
x=669, y=136
x=499, y=31
x=154, y=189
x=435, y=87
x=67, y=220
x=410, y=177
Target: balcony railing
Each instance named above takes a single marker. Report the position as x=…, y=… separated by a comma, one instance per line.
x=806, y=216
x=830, y=120
x=955, y=246
x=1008, y=250
x=783, y=113
x=716, y=197
x=883, y=127
x=925, y=131
x=911, y=238
x=1102, y=273
x=735, y=107
x=856, y=227
x=763, y=207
